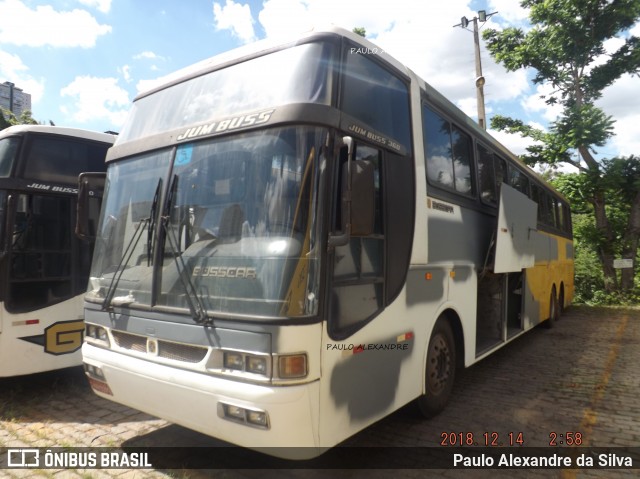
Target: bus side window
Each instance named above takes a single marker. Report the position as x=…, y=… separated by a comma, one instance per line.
x=560, y=219
x=388, y=113
x=461, y=160
x=537, y=196
x=547, y=210
x=519, y=181
x=448, y=154
x=500, y=166
x=486, y=176
x=567, y=218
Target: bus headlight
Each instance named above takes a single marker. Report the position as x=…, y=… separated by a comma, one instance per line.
x=97, y=335
x=233, y=360
x=257, y=418
x=256, y=365
x=250, y=363
x=246, y=416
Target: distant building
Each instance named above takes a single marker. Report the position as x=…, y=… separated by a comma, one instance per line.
x=14, y=99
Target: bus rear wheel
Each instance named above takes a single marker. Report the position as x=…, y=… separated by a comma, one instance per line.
x=554, y=310
x=440, y=370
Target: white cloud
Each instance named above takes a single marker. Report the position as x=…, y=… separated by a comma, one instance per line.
x=514, y=143
x=42, y=26
x=102, y=5
x=509, y=13
x=235, y=17
x=621, y=101
x=536, y=103
x=147, y=55
x=125, y=71
x=281, y=18
x=407, y=30
x=146, y=85
x=627, y=141
x=14, y=70
x=94, y=99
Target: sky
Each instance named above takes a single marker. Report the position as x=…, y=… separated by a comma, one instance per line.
x=84, y=61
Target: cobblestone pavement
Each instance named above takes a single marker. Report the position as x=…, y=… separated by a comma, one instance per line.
x=582, y=376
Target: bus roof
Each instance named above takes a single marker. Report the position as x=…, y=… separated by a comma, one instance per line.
x=59, y=130
x=261, y=47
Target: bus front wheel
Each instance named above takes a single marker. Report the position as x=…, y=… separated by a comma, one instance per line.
x=439, y=371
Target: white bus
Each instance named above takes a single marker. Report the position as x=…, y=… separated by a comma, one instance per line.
x=44, y=268
x=296, y=240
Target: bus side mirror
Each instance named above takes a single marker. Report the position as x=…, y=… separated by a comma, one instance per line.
x=357, y=198
x=90, y=189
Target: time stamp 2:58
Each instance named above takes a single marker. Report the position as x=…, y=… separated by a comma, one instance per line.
x=495, y=439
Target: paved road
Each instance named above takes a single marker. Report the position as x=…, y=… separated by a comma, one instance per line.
x=582, y=376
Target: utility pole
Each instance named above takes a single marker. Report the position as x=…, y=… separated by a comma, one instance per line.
x=480, y=81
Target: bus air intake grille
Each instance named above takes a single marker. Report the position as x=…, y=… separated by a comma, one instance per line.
x=181, y=352
x=131, y=342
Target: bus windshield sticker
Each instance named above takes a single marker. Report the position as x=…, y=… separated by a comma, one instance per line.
x=183, y=155
x=228, y=124
x=375, y=137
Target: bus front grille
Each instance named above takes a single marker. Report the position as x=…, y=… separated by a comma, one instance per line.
x=165, y=349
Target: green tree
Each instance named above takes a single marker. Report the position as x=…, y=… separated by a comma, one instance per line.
x=566, y=49
x=360, y=31
x=621, y=181
x=7, y=119
x=5, y=116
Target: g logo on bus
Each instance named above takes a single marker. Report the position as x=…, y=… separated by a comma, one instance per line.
x=64, y=337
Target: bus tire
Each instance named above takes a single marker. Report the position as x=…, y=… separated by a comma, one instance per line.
x=553, y=309
x=439, y=371
x=561, y=308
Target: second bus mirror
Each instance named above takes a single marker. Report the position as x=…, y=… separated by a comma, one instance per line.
x=90, y=189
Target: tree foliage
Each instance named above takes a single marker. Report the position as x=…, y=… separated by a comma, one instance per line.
x=565, y=48
x=7, y=119
x=360, y=31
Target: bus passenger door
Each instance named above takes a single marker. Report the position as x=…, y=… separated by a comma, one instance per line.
x=502, y=292
x=515, y=252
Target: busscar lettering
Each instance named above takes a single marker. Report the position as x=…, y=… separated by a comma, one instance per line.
x=239, y=272
x=228, y=124
x=442, y=207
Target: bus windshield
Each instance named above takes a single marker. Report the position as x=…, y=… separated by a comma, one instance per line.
x=8, y=151
x=236, y=227
x=293, y=75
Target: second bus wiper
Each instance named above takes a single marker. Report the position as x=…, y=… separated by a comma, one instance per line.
x=128, y=252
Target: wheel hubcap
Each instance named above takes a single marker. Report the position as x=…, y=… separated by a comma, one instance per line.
x=439, y=364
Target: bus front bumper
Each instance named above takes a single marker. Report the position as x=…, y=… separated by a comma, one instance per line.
x=212, y=405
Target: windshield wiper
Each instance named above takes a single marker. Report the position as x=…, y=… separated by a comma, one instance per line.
x=128, y=252
x=152, y=222
x=193, y=299
x=137, y=234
